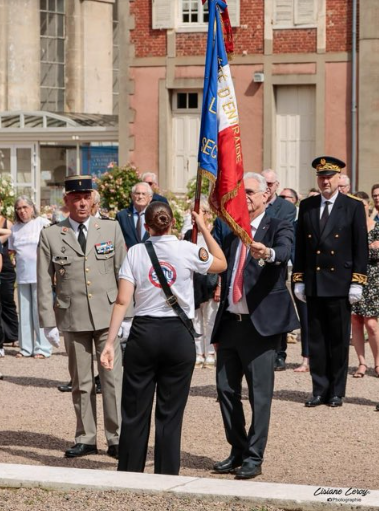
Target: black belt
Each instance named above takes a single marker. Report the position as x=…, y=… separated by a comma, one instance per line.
x=237, y=317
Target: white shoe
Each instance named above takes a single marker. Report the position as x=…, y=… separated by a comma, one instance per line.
x=199, y=361
x=210, y=361
x=2, y=352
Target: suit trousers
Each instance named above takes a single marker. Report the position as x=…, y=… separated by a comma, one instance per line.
x=243, y=352
x=79, y=348
x=159, y=357
x=329, y=336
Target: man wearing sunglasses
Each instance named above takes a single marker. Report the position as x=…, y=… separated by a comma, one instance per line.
x=151, y=179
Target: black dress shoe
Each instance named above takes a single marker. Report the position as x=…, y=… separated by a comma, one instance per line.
x=80, y=450
x=98, y=384
x=228, y=465
x=113, y=451
x=280, y=364
x=65, y=388
x=248, y=470
x=335, y=401
x=377, y=408
x=315, y=401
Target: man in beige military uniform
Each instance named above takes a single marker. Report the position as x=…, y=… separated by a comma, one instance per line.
x=83, y=255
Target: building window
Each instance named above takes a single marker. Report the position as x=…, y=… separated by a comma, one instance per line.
x=193, y=11
x=52, y=36
x=115, y=58
x=188, y=15
x=184, y=101
x=294, y=13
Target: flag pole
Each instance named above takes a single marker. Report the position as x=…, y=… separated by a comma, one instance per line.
x=197, y=205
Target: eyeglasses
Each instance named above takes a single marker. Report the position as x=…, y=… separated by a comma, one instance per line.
x=149, y=183
x=271, y=184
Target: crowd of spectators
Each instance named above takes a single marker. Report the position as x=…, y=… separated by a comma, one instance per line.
x=21, y=325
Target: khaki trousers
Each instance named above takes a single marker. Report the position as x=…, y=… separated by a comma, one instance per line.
x=79, y=348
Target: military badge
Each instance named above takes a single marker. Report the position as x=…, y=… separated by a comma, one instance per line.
x=105, y=247
x=65, y=229
x=203, y=254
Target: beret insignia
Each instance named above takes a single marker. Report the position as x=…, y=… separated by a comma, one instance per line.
x=203, y=254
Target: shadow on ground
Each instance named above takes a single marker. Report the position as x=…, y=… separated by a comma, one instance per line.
x=28, y=445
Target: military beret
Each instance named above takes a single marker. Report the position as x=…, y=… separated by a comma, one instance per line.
x=328, y=165
x=78, y=183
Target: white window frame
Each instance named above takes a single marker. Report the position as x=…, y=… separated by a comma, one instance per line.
x=294, y=24
x=187, y=110
x=198, y=26
x=168, y=14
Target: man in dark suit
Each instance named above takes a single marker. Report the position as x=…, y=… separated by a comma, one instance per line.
x=255, y=308
x=132, y=219
x=151, y=179
x=329, y=272
x=278, y=207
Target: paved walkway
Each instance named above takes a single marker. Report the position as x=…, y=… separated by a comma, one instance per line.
x=290, y=496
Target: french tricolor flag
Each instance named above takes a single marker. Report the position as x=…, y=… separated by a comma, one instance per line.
x=220, y=152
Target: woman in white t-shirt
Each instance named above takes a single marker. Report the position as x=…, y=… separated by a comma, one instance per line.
x=160, y=352
x=23, y=243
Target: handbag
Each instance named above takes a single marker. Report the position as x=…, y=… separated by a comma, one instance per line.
x=171, y=298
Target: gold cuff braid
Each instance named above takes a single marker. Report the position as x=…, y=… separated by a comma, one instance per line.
x=297, y=277
x=359, y=278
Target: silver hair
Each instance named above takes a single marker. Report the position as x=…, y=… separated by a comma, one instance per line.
x=29, y=202
x=150, y=175
x=266, y=171
x=346, y=177
x=258, y=177
x=146, y=185
x=204, y=203
x=95, y=197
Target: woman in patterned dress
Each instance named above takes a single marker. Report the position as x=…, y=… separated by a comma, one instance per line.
x=365, y=312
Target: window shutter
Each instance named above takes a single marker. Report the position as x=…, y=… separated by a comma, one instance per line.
x=234, y=12
x=163, y=14
x=305, y=12
x=283, y=12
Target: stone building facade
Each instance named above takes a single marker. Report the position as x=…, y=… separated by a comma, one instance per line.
x=84, y=82
x=292, y=71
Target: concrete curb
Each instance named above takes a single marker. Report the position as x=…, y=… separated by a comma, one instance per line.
x=288, y=496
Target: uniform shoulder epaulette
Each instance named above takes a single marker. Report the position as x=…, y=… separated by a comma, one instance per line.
x=107, y=218
x=353, y=197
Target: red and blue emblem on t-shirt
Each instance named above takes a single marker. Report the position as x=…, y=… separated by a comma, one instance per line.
x=168, y=271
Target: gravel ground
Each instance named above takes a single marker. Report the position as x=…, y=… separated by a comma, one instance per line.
x=321, y=446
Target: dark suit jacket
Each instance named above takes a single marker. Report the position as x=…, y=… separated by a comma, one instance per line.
x=126, y=220
x=160, y=198
x=282, y=209
x=270, y=306
x=329, y=262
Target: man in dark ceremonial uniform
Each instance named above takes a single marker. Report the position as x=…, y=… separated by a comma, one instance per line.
x=329, y=272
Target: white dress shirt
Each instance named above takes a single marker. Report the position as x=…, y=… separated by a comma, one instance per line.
x=75, y=226
x=241, y=306
x=332, y=200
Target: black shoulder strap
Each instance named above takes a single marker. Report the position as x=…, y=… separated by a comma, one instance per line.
x=171, y=298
